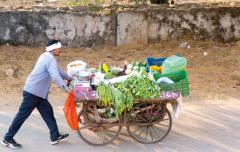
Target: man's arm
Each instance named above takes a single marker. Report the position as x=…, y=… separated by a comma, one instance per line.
x=63, y=74
x=55, y=74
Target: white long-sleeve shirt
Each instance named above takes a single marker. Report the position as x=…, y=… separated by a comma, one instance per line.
x=45, y=70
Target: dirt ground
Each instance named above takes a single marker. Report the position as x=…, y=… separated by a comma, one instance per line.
x=215, y=76
x=208, y=121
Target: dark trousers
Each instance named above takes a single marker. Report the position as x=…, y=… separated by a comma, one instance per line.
x=29, y=103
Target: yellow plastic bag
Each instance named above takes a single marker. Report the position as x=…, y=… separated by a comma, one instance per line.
x=156, y=68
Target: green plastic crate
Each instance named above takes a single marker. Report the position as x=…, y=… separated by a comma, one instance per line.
x=182, y=86
x=174, y=76
x=180, y=79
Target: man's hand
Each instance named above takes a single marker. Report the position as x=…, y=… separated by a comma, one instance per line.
x=69, y=82
x=67, y=89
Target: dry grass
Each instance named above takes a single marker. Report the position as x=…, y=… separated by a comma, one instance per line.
x=57, y=3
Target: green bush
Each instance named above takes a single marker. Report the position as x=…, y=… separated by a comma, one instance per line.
x=72, y=3
x=138, y=2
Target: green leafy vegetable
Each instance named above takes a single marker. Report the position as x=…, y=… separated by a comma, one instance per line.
x=122, y=95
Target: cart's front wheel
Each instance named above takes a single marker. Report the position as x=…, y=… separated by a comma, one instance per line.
x=149, y=122
x=98, y=133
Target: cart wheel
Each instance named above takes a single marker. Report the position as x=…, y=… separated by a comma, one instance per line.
x=149, y=122
x=97, y=134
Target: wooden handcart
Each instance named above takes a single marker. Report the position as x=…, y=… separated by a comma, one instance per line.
x=149, y=121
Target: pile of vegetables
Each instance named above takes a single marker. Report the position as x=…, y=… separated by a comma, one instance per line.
x=140, y=87
x=122, y=95
x=111, y=96
x=136, y=67
x=105, y=94
x=111, y=72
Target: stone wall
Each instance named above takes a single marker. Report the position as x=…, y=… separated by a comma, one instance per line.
x=86, y=30
x=132, y=27
x=211, y=23
x=142, y=26
x=35, y=28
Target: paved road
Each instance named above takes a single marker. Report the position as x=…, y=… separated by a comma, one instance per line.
x=202, y=127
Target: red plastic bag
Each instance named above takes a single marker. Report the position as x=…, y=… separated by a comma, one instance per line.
x=71, y=112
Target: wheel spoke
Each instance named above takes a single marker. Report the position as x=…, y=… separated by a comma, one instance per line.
x=141, y=132
x=97, y=134
x=159, y=129
x=105, y=137
x=151, y=132
x=158, y=114
x=86, y=126
x=165, y=119
x=146, y=133
x=141, y=111
x=150, y=116
x=163, y=125
x=156, y=132
x=141, y=118
x=136, y=130
x=155, y=116
x=147, y=116
x=154, y=122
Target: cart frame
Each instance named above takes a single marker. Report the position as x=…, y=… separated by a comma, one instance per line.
x=149, y=121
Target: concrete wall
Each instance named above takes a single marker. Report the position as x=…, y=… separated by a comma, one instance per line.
x=132, y=27
x=87, y=30
x=35, y=28
x=216, y=23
